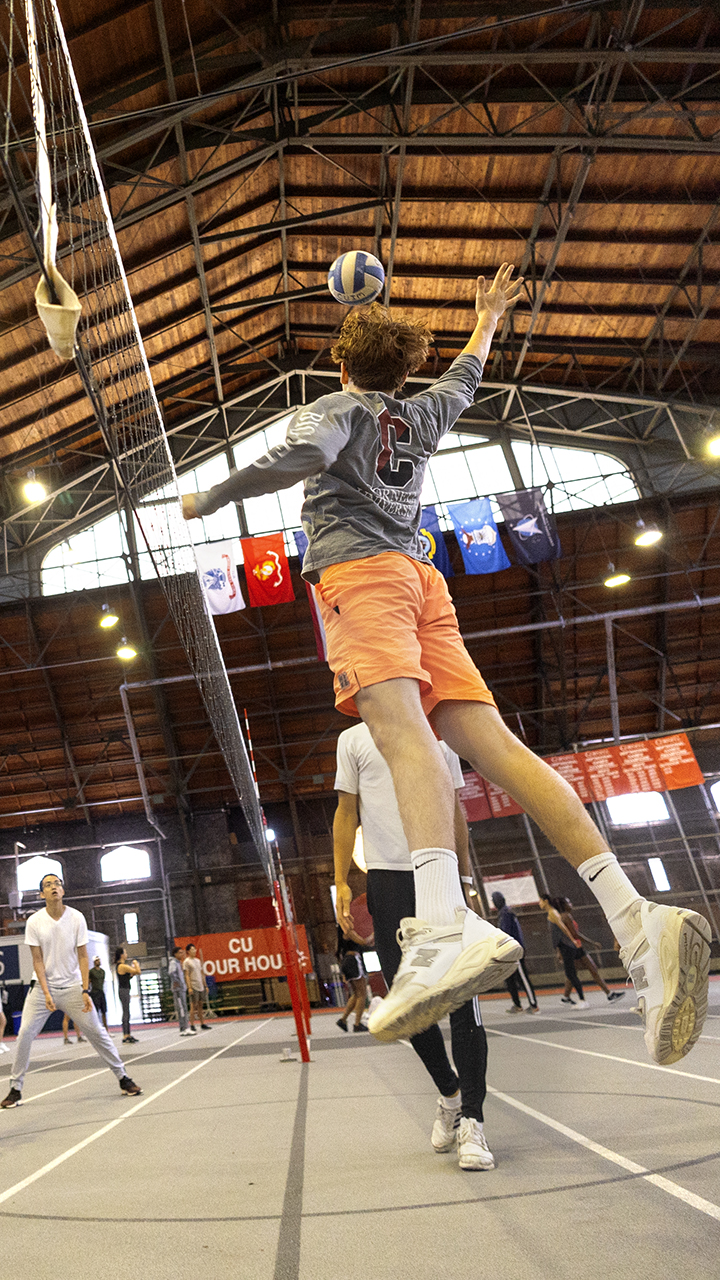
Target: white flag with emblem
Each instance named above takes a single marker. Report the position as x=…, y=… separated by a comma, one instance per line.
x=218, y=575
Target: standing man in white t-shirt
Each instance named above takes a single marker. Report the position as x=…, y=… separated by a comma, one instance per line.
x=57, y=936
x=366, y=795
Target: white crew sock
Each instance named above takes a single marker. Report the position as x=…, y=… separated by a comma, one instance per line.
x=617, y=896
x=438, y=892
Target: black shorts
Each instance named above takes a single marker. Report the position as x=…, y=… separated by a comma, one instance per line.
x=98, y=999
x=352, y=967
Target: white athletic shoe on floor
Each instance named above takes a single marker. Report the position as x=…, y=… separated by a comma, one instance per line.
x=514, y=1009
x=473, y=1150
x=668, y=962
x=188, y=1032
x=443, y=966
x=447, y=1119
x=581, y=1004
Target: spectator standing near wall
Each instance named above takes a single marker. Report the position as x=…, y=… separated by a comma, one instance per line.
x=97, y=989
x=196, y=985
x=178, y=987
x=125, y=974
x=520, y=979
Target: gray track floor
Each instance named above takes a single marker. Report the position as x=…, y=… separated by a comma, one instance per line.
x=236, y=1164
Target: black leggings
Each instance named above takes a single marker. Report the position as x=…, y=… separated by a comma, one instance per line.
x=390, y=897
x=569, y=956
x=124, y=994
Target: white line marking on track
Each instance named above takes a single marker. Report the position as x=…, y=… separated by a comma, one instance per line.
x=672, y=1188
x=609, y=1057
x=60, y=1062
x=101, y=1071
x=113, y=1124
x=619, y=1026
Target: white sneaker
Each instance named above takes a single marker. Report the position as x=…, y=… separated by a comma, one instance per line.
x=443, y=966
x=4, y=1048
x=513, y=1009
x=668, y=962
x=188, y=1032
x=447, y=1119
x=581, y=1004
x=473, y=1150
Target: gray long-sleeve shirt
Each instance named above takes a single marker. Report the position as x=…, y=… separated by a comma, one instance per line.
x=176, y=975
x=362, y=456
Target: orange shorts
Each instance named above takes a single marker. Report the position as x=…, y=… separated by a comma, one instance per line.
x=389, y=616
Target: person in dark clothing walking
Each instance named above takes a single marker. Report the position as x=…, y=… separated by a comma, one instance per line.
x=520, y=979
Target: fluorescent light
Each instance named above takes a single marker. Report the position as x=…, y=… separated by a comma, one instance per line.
x=34, y=491
x=617, y=579
x=659, y=874
x=637, y=809
x=647, y=535
x=108, y=618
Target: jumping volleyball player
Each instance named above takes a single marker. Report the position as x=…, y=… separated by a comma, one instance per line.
x=399, y=662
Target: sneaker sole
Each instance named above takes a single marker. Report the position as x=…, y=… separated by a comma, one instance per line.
x=463, y=980
x=475, y=1168
x=8, y=1106
x=685, y=968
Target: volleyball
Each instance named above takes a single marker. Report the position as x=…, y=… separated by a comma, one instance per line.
x=355, y=277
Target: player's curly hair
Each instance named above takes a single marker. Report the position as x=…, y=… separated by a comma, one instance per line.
x=379, y=350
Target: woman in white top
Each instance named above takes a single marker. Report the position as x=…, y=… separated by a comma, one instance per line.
x=196, y=986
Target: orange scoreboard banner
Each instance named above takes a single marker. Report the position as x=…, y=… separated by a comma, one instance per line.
x=660, y=764
x=248, y=953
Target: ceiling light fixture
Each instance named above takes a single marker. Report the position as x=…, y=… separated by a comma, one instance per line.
x=714, y=447
x=614, y=579
x=108, y=619
x=647, y=534
x=33, y=490
x=126, y=652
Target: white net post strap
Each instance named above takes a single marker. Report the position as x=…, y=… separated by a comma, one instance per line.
x=60, y=314
x=113, y=365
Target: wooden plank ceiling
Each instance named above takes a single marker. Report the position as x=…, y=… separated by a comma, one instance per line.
x=243, y=146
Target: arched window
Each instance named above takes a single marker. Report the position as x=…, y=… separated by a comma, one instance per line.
x=125, y=863
x=31, y=872
x=465, y=466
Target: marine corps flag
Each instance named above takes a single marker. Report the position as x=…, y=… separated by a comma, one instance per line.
x=530, y=526
x=266, y=570
x=433, y=542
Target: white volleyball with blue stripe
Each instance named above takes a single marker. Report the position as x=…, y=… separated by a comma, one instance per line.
x=355, y=277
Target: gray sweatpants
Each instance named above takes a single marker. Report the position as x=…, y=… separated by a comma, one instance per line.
x=180, y=1001
x=34, y=1017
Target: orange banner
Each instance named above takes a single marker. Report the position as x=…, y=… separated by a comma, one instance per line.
x=248, y=953
x=660, y=764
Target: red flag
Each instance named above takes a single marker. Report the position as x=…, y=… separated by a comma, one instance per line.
x=266, y=570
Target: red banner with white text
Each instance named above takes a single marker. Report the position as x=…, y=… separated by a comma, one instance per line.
x=248, y=953
x=660, y=764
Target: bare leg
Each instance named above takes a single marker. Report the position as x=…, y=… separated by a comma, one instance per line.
x=591, y=966
x=349, y=1006
x=476, y=732
x=360, y=998
x=393, y=712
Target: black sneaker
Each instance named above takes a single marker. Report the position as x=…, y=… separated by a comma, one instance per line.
x=615, y=995
x=566, y=1000
x=129, y=1087
x=13, y=1099
x=359, y=1027
x=204, y=1027
x=342, y=1024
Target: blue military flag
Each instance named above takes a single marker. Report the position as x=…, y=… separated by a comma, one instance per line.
x=433, y=541
x=530, y=526
x=477, y=535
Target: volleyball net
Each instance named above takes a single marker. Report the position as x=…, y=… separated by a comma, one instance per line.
x=54, y=181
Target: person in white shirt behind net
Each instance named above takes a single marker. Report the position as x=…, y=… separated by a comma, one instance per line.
x=57, y=936
x=366, y=795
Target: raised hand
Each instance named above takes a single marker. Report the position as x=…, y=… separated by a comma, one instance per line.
x=502, y=294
